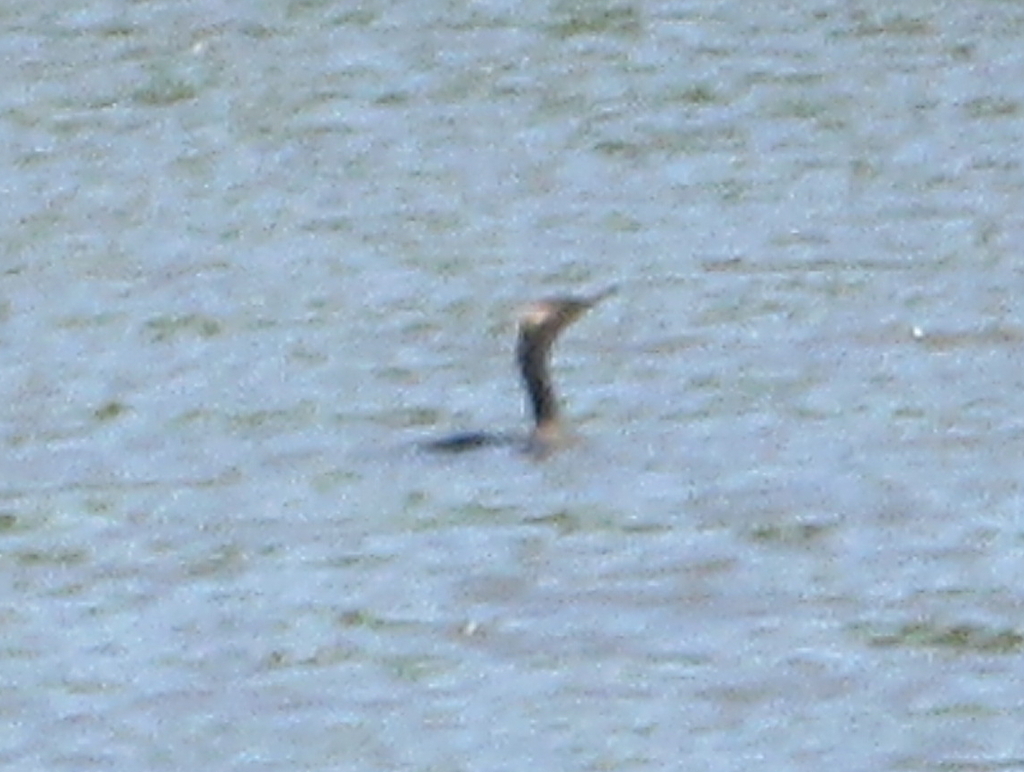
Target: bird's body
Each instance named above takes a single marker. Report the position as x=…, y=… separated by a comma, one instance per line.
x=539, y=327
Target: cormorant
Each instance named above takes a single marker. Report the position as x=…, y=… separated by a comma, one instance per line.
x=539, y=326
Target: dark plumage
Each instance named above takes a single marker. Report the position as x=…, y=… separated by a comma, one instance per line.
x=539, y=326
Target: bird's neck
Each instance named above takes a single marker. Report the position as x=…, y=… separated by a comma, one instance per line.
x=533, y=364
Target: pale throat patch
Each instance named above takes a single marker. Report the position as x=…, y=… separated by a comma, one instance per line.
x=535, y=314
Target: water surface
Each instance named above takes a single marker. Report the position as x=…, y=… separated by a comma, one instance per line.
x=252, y=254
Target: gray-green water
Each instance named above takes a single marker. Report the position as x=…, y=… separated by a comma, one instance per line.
x=253, y=251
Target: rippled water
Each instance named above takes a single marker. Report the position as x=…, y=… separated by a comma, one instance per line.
x=253, y=252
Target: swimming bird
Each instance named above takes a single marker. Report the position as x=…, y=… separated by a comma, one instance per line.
x=539, y=326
